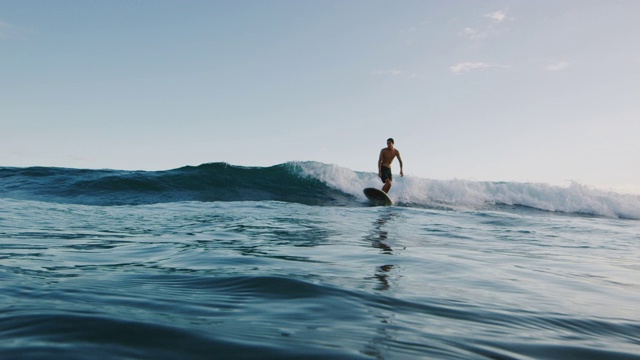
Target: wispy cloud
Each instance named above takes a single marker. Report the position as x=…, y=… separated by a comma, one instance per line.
x=392, y=72
x=473, y=33
x=497, y=16
x=487, y=28
x=396, y=74
x=10, y=31
x=465, y=67
x=410, y=30
x=558, y=66
x=4, y=29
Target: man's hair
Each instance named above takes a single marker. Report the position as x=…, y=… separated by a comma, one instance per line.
x=390, y=140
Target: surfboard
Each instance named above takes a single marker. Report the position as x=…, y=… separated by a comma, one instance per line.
x=377, y=197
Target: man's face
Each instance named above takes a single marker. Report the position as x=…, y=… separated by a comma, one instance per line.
x=389, y=145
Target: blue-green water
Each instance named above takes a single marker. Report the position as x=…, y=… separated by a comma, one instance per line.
x=103, y=265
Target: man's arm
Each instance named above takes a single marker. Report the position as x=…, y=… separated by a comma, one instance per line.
x=380, y=164
x=400, y=161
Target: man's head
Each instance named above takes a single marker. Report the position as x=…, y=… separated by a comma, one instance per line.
x=390, y=143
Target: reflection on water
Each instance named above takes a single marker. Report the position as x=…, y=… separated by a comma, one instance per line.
x=379, y=237
x=386, y=334
x=382, y=275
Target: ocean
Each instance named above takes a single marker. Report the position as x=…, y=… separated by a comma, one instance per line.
x=290, y=262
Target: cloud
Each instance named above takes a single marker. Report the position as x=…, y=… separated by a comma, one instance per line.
x=497, y=16
x=487, y=29
x=9, y=31
x=396, y=74
x=473, y=33
x=410, y=30
x=558, y=66
x=465, y=67
x=4, y=28
x=392, y=72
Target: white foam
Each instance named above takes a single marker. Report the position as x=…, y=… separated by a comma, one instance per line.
x=575, y=198
x=343, y=179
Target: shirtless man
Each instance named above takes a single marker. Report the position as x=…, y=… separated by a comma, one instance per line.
x=384, y=164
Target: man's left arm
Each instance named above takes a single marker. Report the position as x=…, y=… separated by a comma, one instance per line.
x=400, y=161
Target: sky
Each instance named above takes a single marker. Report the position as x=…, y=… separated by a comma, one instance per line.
x=528, y=91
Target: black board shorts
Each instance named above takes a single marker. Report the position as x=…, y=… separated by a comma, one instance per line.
x=386, y=174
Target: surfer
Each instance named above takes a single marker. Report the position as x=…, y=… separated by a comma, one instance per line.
x=384, y=164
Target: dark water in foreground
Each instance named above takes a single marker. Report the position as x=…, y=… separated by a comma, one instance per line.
x=279, y=278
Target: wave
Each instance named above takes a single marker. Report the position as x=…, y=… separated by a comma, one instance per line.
x=207, y=182
x=310, y=183
x=476, y=195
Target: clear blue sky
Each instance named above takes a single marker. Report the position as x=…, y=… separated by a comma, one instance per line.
x=542, y=91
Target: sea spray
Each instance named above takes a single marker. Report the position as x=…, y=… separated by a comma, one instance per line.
x=473, y=195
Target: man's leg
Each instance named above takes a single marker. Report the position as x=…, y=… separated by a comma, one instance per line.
x=386, y=186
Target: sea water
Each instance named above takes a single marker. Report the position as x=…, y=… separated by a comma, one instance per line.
x=227, y=262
